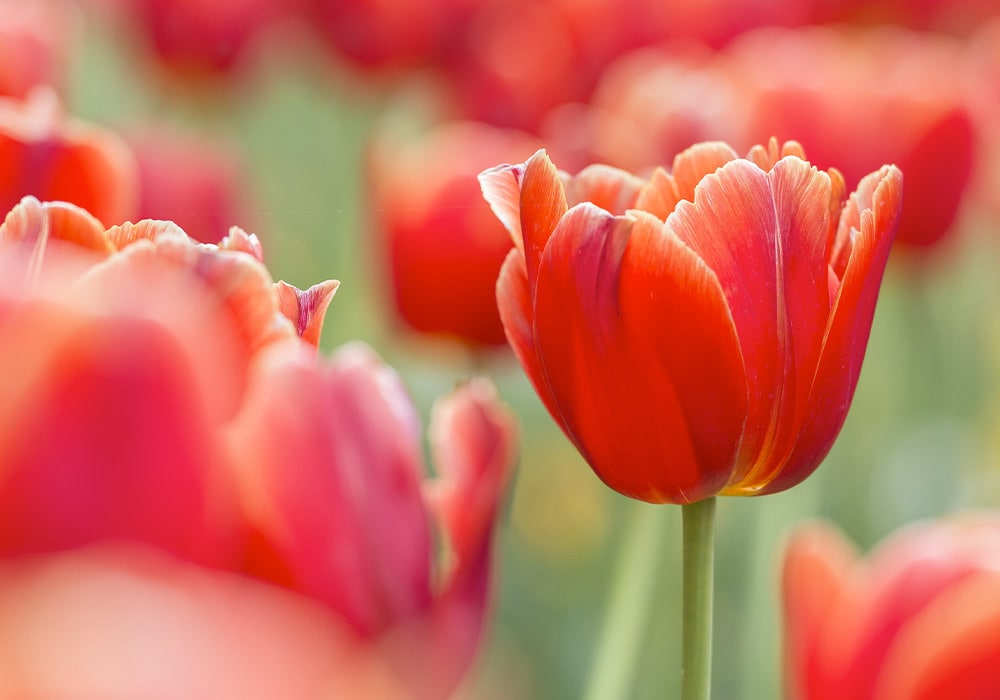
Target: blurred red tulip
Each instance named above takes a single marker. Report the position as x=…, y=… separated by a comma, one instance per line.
x=199, y=38
x=167, y=394
x=757, y=263
x=123, y=353
x=390, y=34
x=35, y=40
x=53, y=157
x=330, y=459
x=194, y=181
x=442, y=245
x=918, y=619
x=807, y=85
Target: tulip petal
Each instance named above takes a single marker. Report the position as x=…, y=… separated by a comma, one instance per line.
x=329, y=457
x=951, y=649
x=693, y=164
x=613, y=364
x=817, y=565
x=542, y=205
x=868, y=226
x=732, y=226
x=515, y=307
x=802, y=209
x=306, y=309
x=609, y=188
x=110, y=437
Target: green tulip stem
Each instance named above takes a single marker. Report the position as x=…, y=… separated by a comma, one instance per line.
x=699, y=562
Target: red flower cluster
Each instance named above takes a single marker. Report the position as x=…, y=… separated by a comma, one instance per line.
x=169, y=430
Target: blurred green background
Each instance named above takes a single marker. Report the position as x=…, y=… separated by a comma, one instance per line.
x=921, y=439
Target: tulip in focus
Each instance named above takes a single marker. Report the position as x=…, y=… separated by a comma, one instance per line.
x=761, y=265
x=48, y=155
x=919, y=618
x=442, y=245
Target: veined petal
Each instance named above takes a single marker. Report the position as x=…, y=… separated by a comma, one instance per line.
x=515, y=306
x=501, y=188
x=658, y=196
x=543, y=203
x=611, y=189
x=124, y=235
x=732, y=226
x=801, y=197
x=619, y=402
x=867, y=229
x=680, y=330
x=692, y=165
x=306, y=309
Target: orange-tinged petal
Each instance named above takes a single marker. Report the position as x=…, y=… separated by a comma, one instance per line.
x=611, y=189
x=501, y=188
x=868, y=226
x=692, y=165
x=801, y=197
x=659, y=195
x=609, y=360
x=38, y=226
x=124, y=235
x=542, y=204
x=515, y=307
x=732, y=226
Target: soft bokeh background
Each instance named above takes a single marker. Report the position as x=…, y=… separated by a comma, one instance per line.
x=921, y=439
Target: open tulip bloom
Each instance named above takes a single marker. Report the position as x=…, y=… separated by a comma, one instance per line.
x=697, y=332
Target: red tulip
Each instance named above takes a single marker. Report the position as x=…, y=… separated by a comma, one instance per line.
x=52, y=157
x=123, y=353
x=700, y=332
x=806, y=85
x=198, y=38
x=442, y=245
x=330, y=459
x=918, y=619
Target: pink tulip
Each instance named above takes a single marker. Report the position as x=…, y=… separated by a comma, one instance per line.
x=329, y=458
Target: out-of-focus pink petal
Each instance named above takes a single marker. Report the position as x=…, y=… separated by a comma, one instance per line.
x=306, y=309
x=238, y=239
x=107, y=433
x=329, y=458
x=119, y=623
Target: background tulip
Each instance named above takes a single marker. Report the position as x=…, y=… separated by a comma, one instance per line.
x=918, y=618
x=595, y=295
x=342, y=510
x=442, y=245
x=48, y=155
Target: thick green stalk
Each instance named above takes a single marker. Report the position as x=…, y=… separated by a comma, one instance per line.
x=699, y=564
